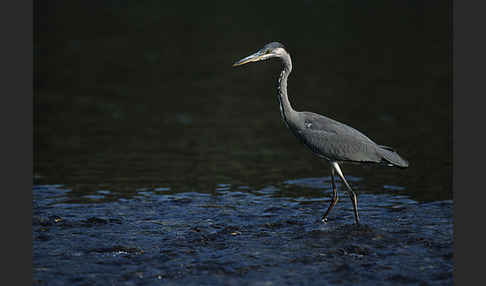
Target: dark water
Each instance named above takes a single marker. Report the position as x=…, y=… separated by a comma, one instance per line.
x=185, y=168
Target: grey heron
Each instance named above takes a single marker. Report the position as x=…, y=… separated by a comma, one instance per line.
x=327, y=138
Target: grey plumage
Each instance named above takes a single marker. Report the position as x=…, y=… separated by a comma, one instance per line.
x=336, y=141
x=327, y=138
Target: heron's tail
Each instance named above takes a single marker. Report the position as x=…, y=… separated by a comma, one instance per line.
x=390, y=156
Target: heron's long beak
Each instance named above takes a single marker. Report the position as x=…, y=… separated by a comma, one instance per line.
x=251, y=58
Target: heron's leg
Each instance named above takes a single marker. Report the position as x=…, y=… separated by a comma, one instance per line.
x=334, y=197
x=352, y=195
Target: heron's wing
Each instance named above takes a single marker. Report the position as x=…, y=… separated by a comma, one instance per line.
x=336, y=141
x=317, y=122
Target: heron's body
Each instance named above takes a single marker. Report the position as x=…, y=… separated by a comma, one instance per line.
x=327, y=138
x=335, y=141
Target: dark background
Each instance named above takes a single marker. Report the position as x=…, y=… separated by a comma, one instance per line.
x=142, y=94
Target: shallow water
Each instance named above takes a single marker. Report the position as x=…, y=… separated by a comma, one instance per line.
x=239, y=235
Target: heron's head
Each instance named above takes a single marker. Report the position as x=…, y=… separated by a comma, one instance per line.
x=271, y=50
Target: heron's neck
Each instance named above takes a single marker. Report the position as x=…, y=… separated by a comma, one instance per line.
x=286, y=109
